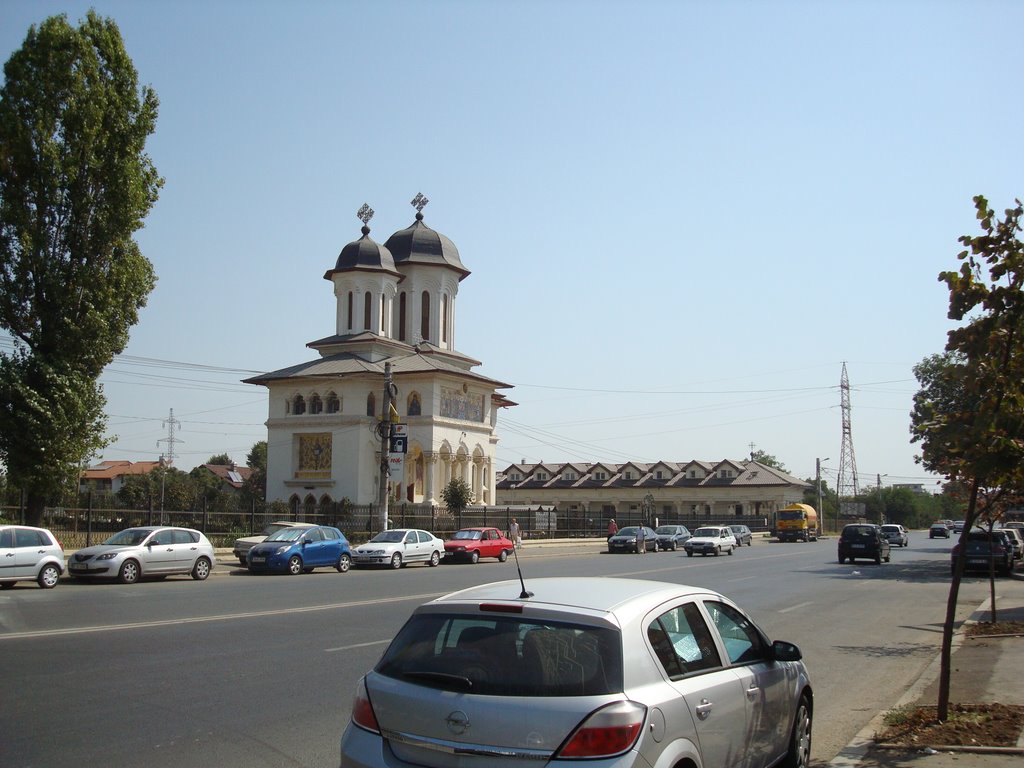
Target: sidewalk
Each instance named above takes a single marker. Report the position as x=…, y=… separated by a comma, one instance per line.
x=984, y=670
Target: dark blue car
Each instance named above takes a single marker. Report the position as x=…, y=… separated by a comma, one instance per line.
x=300, y=550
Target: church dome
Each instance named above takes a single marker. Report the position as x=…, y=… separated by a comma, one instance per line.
x=364, y=254
x=419, y=244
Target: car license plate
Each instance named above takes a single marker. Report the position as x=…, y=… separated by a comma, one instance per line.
x=257, y=559
x=77, y=566
x=977, y=561
x=858, y=546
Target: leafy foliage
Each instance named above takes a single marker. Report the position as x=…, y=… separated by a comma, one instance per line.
x=457, y=495
x=768, y=460
x=75, y=185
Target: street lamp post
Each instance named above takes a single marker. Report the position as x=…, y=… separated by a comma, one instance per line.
x=817, y=481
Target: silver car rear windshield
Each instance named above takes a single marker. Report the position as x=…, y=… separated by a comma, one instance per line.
x=506, y=656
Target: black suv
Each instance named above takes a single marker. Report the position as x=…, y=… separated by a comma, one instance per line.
x=863, y=541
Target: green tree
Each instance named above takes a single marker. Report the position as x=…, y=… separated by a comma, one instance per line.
x=255, y=486
x=768, y=460
x=969, y=413
x=75, y=184
x=220, y=460
x=457, y=495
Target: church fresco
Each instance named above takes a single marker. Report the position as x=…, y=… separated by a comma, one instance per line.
x=314, y=456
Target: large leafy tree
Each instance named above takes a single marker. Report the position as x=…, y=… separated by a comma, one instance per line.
x=75, y=184
x=969, y=414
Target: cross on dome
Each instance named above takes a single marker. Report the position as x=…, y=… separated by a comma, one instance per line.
x=419, y=202
x=365, y=214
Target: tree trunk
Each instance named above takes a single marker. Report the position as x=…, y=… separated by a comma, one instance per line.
x=954, y=591
x=35, y=505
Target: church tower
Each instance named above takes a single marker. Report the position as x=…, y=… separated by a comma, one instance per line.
x=394, y=303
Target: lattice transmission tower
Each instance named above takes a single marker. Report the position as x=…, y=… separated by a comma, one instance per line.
x=846, y=487
x=171, y=424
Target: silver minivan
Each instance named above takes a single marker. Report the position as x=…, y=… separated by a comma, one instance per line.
x=29, y=554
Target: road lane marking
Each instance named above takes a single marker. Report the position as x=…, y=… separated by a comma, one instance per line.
x=796, y=607
x=357, y=645
x=205, y=619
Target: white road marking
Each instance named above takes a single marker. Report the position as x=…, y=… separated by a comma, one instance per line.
x=205, y=619
x=357, y=645
x=796, y=607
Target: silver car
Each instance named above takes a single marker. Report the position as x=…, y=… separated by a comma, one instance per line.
x=398, y=547
x=136, y=553
x=244, y=544
x=615, y=672
x=29, y=554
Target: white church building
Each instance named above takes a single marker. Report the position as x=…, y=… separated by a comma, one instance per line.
x=395, y=303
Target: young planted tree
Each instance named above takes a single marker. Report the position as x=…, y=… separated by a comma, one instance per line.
x=75, y=184
x=969, y=413
x=457, y=495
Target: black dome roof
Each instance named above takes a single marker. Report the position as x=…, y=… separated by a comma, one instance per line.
x=419, y=244
x=365, y=254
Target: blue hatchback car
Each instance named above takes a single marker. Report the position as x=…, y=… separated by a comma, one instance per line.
x=300, y=550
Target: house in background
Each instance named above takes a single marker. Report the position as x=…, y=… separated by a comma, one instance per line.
x=108, y=476
x=232, y=477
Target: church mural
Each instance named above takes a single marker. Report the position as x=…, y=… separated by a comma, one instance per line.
x=459, y=405
x=314, y=456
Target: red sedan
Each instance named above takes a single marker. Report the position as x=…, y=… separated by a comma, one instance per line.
x=473, y=543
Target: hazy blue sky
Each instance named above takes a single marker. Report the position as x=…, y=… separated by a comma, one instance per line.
x=681, y=218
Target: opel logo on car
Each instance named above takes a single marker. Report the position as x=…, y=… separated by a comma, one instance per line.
x=457, y=722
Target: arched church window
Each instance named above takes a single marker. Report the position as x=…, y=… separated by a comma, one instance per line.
x=414, y=408
x=425, y=317
x=351, y=308
x=444, y=318
x=293, y=506
x=316, y=405
x=367, y=299
x=298, y=405
x=371, y=404
x=333, y=403
x=401, y=316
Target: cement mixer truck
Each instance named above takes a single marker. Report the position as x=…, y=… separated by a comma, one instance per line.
x=797, y=522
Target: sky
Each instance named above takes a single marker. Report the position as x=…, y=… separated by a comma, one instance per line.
x=681, y=218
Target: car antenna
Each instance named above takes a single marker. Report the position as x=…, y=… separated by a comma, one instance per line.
x=524, y=594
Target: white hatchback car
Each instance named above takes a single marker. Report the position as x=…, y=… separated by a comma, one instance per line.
x=29, y=554
x=711, y=540
x=398, y=547
x=619, y=673
x=153, y=550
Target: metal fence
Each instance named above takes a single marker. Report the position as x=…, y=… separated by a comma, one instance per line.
x=81, y=527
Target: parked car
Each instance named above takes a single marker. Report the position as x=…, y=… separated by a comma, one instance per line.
x=671, y=536
x=473, y=543
x=243, y=545
x=300, y=549
x=711, y=540
x=29, y=554
x=152, y=550
x=626, y=540
x=958, y=526
x=896, y=534
x=597, y=671
x=398, y=547
x=743, y=535
x=1016, y=539
x=984, y=550
x=938, y=531
x=949, y=524
x=865, y=542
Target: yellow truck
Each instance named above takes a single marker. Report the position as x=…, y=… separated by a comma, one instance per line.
x=797, y=522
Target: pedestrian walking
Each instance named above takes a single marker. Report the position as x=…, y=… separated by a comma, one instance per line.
x=515, y=534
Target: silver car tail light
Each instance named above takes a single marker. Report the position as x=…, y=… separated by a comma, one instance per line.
x=362, y=710
x=606, y=732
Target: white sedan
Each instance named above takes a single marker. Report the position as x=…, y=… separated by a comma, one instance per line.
x=398, y=547
x=710, y=540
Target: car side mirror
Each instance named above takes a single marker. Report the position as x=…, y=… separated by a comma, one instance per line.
x=784, y=651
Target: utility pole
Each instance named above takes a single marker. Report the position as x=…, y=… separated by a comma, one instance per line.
x=817, y=482
x=384, y=430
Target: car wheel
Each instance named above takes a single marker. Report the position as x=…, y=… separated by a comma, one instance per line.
x=718, y=551
x=201, y=569
x=396, y=560
x=731, y=550
x=475, y=557
x=750, y=542
x=242, y=561
x=655, y=550
x=799, y=754
x=48, y=576
x=345, y=562
x=129, y=573
x=842, y=559
x=503, y=556
x=295, y=565
x=689, y=554
x=435, y=559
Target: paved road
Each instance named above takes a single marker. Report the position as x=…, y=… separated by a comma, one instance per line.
x=258, y=671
